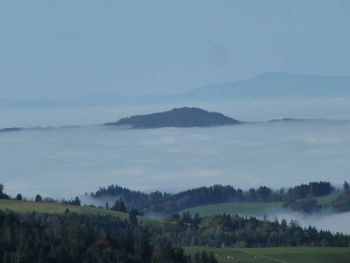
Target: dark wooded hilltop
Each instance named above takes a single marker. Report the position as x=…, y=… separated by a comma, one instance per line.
x=177, y=117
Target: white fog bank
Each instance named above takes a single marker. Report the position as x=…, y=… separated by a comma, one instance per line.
x=252, y=110
x=330, y=222
x=63, y=163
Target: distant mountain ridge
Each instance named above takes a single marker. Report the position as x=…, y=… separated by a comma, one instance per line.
x=275, y=85
x=177, y=117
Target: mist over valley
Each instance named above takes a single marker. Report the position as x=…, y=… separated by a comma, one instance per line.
x=66, y=162
x=174, y=131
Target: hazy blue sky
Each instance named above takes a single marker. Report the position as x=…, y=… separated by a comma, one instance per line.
x=67, y=49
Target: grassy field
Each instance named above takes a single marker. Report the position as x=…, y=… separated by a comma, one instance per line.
x=278, y=254
x=50, y=208
x=246, y=209
x=327, y=199
x=224, y=255
x=43, y=207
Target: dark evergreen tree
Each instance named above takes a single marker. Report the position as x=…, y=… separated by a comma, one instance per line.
x=74, y=238
x=38, y=198
x=346, y=187
x=2, y=194
x=119, y=206
x=308, y=205
x=342, y=203
x=133, y=216
x=19, y=197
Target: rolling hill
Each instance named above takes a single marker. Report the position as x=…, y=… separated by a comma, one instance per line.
x=178, y=117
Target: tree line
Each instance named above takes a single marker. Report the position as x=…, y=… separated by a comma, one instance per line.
x=73, y=238
x=38, y=198
x=166, y=203
x=342, y=203
x=298, y=198
x=91, y=238
x=235, y=231
x=311, y=205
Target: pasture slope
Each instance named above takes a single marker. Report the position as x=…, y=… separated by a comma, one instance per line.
x=241, y=208
x=278, y=254
x=224, y=255
x=58, y=208
x=248, y=208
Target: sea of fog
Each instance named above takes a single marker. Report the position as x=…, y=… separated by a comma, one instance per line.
x=62, y=163
x=66, y=162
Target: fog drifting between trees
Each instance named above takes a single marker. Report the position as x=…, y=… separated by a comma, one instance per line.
x=64, y=163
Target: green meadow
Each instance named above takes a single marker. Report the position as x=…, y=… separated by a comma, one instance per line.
x=244, y=208
x=58, y=208
x=278, y=254
x=248, y=208
x=224, y=255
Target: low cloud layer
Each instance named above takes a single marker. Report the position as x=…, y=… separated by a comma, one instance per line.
x=252, y=110
x=62, y=163
x=331, y=222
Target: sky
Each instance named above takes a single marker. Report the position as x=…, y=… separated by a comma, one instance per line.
x=71, y=49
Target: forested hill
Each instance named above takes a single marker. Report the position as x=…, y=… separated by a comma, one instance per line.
x=166, y=203
x=178, y=117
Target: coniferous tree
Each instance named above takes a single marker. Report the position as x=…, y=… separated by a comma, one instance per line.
x=119, y=206
x=38, y=198
x=2, y=194
x=133, y=217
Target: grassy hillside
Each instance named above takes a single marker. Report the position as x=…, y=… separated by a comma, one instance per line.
x=327, y=199
x=279, y=254
x=43, y=207
x=247, y=209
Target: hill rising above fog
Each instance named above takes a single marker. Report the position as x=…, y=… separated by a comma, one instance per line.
x=178, y=117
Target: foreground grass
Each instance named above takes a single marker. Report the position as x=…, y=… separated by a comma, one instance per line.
x=244, y=208
x=57, y=208
x=278, y=254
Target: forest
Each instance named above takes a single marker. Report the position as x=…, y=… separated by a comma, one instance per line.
x=166, y=203
x=225, y=230
x=72, y=237
x=82, y=238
